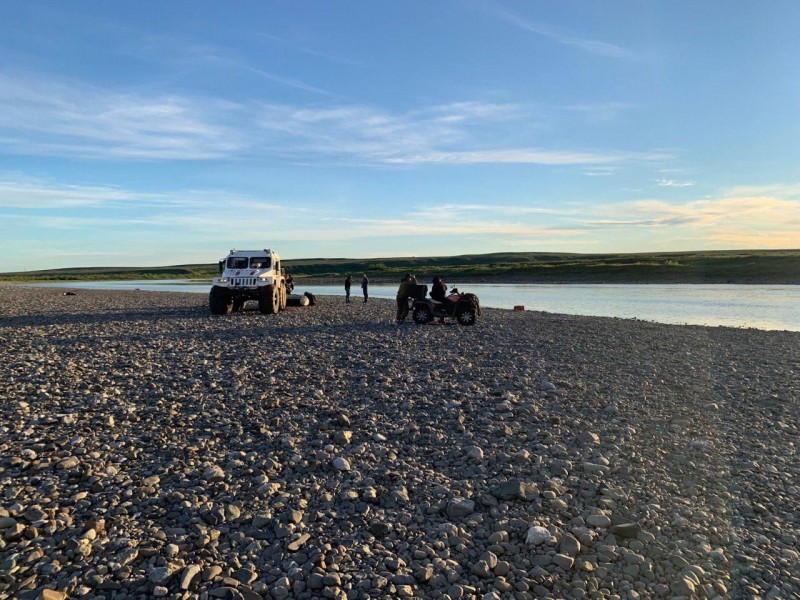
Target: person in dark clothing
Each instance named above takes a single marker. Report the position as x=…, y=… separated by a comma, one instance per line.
x=439, y=292
x=365, y=287
x=402, y=298
x=348, y=280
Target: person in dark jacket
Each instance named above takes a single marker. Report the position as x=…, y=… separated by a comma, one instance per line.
x=365, y=287
x=347, y=282
x=439, y=289
x=439, y=292
x=402, y=298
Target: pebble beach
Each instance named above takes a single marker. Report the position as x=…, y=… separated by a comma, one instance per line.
x=149, y=449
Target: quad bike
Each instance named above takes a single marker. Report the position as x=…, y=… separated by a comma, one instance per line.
x=464, y=308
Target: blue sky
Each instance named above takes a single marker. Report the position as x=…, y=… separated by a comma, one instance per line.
x=155, y=133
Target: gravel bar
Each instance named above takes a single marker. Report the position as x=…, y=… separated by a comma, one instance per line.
x=149, y=449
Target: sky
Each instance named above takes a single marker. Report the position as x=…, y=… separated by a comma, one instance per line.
x=146, y=133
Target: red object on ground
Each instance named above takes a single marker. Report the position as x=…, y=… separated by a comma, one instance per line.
x=518, y=307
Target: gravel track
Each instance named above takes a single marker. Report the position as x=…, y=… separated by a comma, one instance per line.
x=148, y=449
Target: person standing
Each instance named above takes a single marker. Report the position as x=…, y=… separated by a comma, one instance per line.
x=402, y=298
x=365, y=286
x=348, y=280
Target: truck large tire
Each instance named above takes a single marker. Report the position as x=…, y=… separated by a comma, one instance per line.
x=269, y=301
x=220, y=300
x=283, y=297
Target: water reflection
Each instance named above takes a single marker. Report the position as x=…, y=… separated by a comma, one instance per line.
x=759, y=306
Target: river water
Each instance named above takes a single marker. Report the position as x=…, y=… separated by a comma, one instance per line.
x=774, y=307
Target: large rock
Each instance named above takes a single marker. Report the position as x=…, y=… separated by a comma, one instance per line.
x=460, y=507
x=538, y=535
x=627, y=530
x=516, y=490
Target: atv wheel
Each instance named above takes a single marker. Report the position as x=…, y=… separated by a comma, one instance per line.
x=220, y=300
x=422, y=314
x=466, y=315
x=268, y=300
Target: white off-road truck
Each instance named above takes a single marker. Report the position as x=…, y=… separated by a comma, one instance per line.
x=249, y=275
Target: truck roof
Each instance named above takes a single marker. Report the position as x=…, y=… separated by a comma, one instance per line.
x=265, y=252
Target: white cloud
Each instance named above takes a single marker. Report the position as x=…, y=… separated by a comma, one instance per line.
x=73, y=119
x=726, y=222
x=70, y=119
x=41, y=195
x=674, y=183
x=563, y=37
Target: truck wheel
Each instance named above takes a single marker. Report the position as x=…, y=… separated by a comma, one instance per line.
x=466, y=315
x=422, y=314
x=220, y=300
x=268, y=300
x=283, y=298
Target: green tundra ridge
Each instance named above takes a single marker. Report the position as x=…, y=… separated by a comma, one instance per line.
x=723, y=266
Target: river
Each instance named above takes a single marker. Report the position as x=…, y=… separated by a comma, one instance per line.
x=775, y=307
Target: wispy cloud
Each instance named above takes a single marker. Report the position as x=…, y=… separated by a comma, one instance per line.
x=532, y=156
x=74, y=119
x=190, y=222
x=478, y=211
x=565, y=37
x=311, y=52
x=20, y=192
x=674, y=183
x=434, y=135
x=743, y=221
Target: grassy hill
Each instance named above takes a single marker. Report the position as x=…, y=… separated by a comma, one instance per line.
x=729, y=266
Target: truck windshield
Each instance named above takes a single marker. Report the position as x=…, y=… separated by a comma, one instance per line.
x=237, y=262
x=259, y=262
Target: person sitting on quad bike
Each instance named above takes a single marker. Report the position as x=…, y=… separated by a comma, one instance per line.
x=439, y=289
x=465, y=308
x=439, y=293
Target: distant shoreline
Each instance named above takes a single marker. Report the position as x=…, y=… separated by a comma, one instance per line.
x=759, y=267
x=509, y=279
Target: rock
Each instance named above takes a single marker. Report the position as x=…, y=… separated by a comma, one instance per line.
x=341, y=464
x=627, y=530
x=569, y=545
x=226, y=593
x=516, y=490
x=598, y=521
x=48, y=594
x=537, y=536
x=343, y=437
x=68, y=463
x=682, y=586
x=298, y=543
x=474, y=452
x=213, y=473
x=563, y=561
x=188, y=575
x=460, y=507
x=160, y=574
x=379, y=529
x=589, y=438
